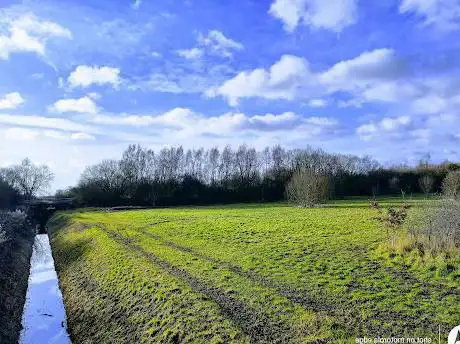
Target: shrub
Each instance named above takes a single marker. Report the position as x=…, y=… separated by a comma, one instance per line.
x=307, y=188
x=430, y=239
x=441, y=226
x=14, y=223
x=395, y=217
x=451, y=185
x=374, y=204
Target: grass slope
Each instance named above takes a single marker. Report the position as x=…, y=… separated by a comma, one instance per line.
x=252, y=273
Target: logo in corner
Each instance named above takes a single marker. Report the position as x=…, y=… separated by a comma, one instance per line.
x=454, y=336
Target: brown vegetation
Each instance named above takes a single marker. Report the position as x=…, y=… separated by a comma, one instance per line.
x=307, y=188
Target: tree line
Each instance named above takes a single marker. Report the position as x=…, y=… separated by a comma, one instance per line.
x=175, y=176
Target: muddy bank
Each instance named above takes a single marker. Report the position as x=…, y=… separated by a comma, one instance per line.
x=14, y=273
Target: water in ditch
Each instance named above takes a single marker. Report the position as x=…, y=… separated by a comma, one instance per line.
x=44, y=319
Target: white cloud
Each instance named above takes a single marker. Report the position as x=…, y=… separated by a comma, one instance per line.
x=369, y=67
x=289, y=11
x=422, y=134
x=429, y=104
x=28, y=33
x=214, y=43
x=389, y=91
x=20, y=134
x=287, y=78
x=218, y=44
x=185, y=122
x=322, y=121
x=317, y=103
x=191, y=54
x=442, y=14
x=84, y=76
x=367, y=129
x=11, y=101
x=27, y=134
x=177, y=126
x=178, y=117
x=177, y=82
x=386, y=125
x=80, y=105
x=54, y=134
x=432, y=103
x=47, y=122
x=94, y=95
x=333, y=15
x=391, y=124
x=373, y=75
x=81, y=136
x=159, y=83
x=357, y=103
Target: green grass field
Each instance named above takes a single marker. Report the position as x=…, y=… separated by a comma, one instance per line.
x=245, y=273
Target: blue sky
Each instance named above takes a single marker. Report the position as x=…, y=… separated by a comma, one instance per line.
x=80, y=80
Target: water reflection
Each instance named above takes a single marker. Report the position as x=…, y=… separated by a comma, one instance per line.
x=44, y=319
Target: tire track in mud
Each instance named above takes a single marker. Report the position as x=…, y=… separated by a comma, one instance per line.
x=349, y=318
x=253, y=323
x=292, y=295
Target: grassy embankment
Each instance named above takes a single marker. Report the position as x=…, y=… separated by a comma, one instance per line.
x=253, y=273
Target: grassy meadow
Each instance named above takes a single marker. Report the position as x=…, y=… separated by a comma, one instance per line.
x=247, y=273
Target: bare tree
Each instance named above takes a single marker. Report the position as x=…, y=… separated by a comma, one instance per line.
x=226, y=168
x=106, y=175
x=198, y=157
x=451, y=185
x=246, y=163
x=426, y=183
x=213, y=164
x=265, y=158
x=29, y=179
x=169, y=163
x=307, y=188
x=136, y=167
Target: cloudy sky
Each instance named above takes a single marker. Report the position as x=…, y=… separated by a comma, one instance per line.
x=80, y=80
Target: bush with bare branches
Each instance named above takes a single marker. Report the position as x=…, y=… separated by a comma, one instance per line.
x=451, y=185
x=308, y=188
x=440, y=226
